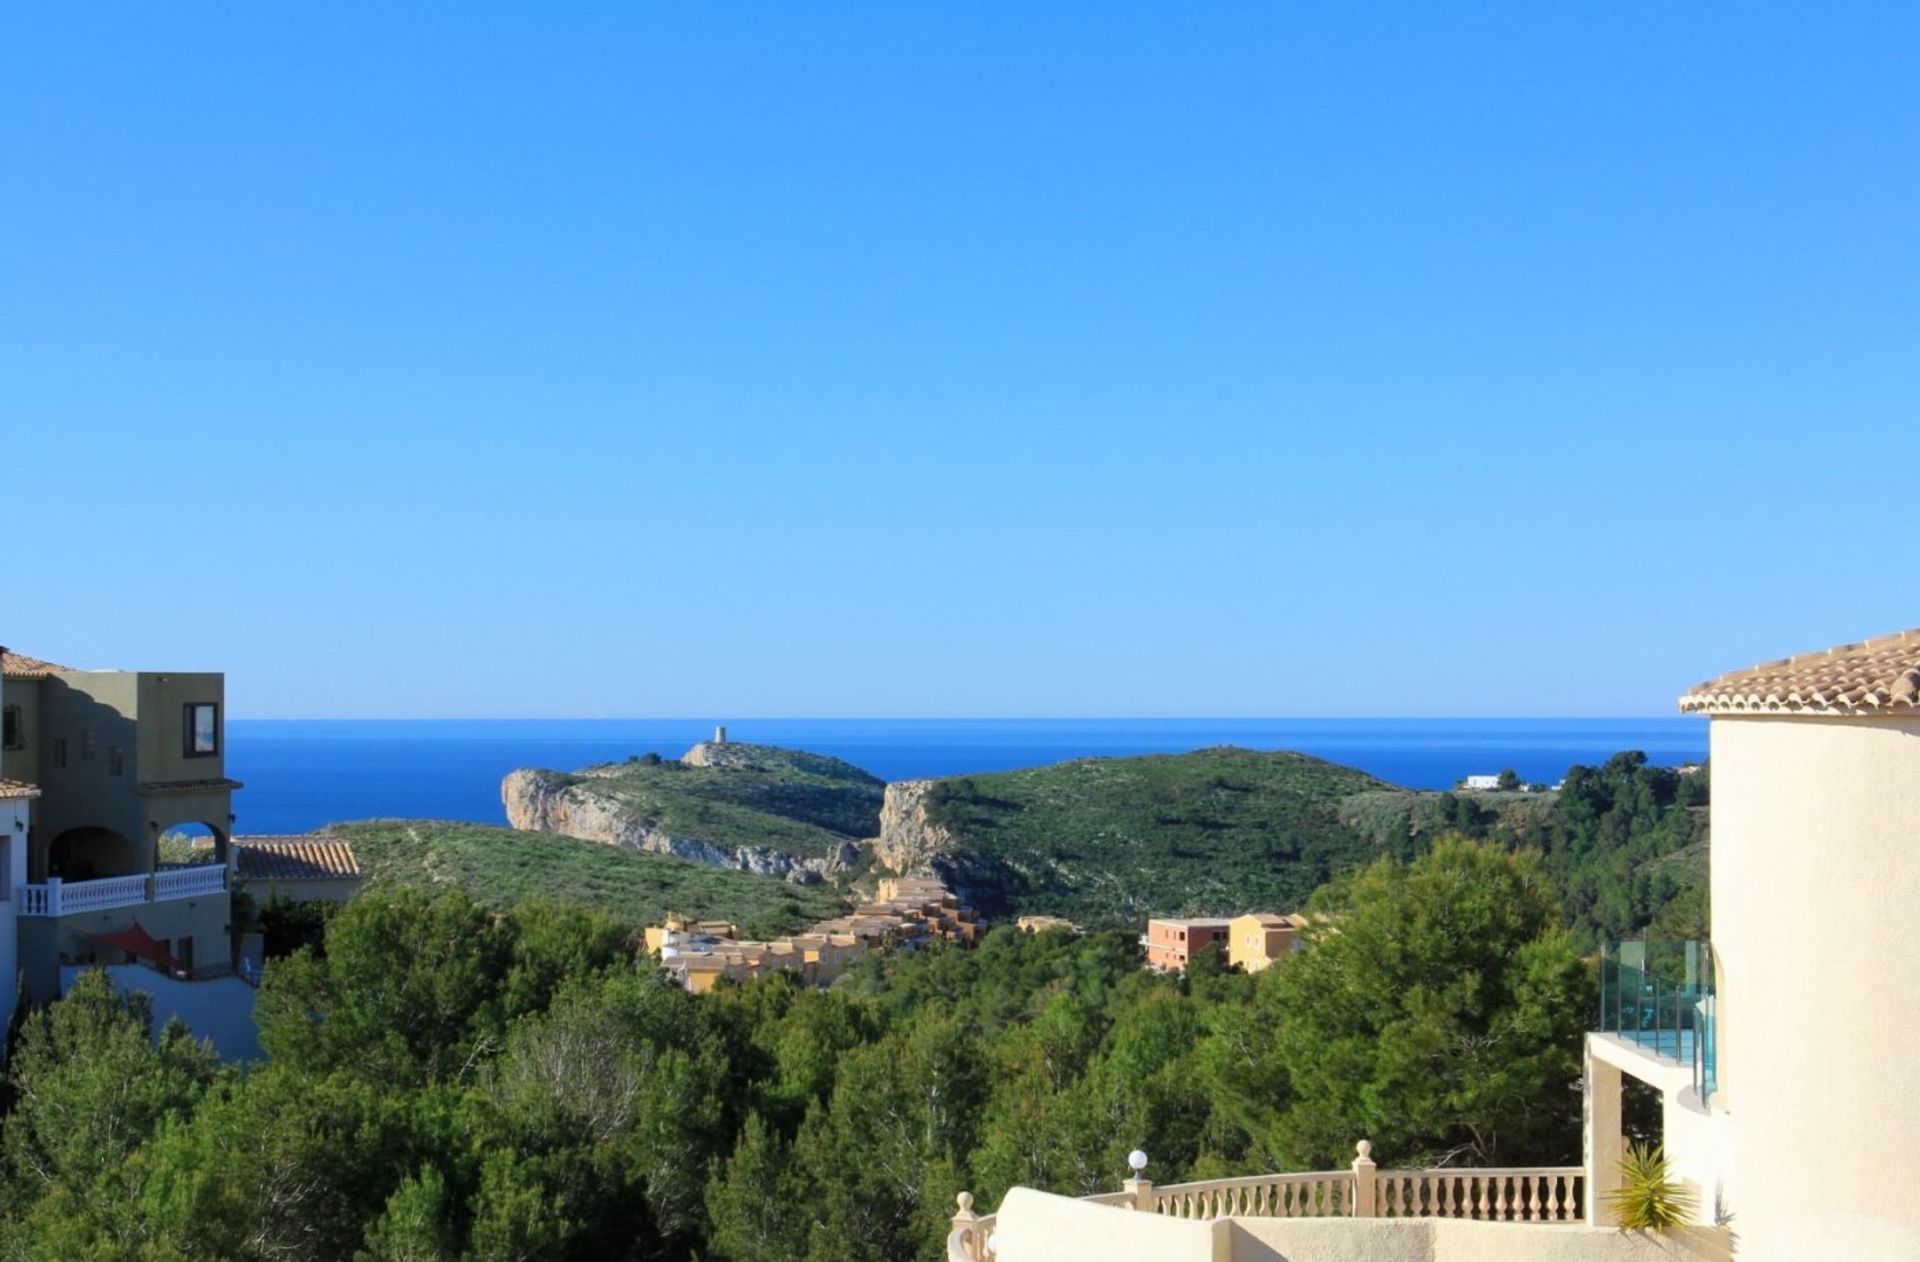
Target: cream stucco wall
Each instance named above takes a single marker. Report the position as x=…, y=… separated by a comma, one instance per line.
x=1040, y=1227
x=1458, y=1240
x=1816, y=899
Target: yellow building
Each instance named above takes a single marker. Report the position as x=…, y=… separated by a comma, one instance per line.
x=1257, y=939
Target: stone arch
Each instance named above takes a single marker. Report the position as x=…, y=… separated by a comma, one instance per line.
x=89, y=853
x=192, y=842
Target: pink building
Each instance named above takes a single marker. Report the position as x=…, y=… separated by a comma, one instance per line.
x=1170, y=943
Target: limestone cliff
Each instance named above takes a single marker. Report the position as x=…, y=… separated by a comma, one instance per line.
x=575, y=806
x=909, y=841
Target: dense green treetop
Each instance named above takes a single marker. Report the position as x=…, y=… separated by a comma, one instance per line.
x=453, y=1081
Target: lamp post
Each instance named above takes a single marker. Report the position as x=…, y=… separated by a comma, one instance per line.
x=1138, y=1189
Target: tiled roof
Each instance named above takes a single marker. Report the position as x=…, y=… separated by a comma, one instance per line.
x=1872, y=677
x=18, y=789
x=19, y=666
x=306, y=858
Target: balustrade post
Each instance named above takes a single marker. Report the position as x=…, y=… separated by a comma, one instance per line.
x=966, y=1220
x=53, y=896
x=1364, y=1184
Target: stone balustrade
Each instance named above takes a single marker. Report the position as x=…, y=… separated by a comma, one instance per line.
x=1533, y=1194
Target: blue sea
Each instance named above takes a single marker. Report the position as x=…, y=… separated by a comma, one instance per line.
x=301, y=774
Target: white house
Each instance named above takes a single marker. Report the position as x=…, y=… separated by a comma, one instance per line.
x=16, y=804
x=1483, y=784
x=1785, y=1066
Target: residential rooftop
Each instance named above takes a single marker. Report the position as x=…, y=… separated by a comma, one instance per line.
x=300, y=858
x=1880, y=675
x=19, y=666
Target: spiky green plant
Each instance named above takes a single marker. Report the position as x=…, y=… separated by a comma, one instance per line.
x=1649, y=1198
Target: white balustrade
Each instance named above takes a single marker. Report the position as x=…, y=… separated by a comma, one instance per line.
x=102, y=895
x=189, y=882
x=70, y=898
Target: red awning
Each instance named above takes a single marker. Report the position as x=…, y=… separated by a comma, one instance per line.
x=135, y=940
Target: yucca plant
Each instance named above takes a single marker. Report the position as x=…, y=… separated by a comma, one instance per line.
x=1649, y=1198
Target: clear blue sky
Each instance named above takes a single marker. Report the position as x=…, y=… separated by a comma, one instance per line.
x=899, y=359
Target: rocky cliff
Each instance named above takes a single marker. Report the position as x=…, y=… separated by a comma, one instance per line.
x=541, y=801
x=758, y=808
x=909, y=841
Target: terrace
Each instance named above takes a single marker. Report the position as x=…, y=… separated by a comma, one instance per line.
x=1657, y=997
x=1223, y=1220
x=55, y=897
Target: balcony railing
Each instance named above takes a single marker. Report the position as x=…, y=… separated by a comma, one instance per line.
x=1658, y=995
x=71, y=898
x=1531, y=1194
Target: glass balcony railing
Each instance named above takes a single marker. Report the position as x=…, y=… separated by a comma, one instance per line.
x=1659, y=996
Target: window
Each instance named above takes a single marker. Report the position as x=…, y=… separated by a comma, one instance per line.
x=117, y=761
x=86, y=745
x=6, y=867
x=15, y=734
x=202, y=729
x=59, y=751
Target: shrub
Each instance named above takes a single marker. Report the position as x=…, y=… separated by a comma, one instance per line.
x=1649, y=1197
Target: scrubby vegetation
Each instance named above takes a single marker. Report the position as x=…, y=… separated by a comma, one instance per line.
x=1114, y=840
x=500, y=867
x=805, y=804
x=1109, y=842
x=450, y=1081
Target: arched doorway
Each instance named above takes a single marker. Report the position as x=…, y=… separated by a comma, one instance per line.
x=86, y=854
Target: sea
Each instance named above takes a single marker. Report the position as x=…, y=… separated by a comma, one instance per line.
x=302, y=774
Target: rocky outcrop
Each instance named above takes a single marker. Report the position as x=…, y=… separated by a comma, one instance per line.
x=909, y=841
x=719, y=754
x=541, y=801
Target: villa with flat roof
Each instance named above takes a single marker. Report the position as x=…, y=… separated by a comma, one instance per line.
x=1171, y=942
x=1781, y=1060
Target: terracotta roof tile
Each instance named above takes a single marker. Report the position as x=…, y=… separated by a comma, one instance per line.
x=306, y=858
x=1872, y=677
x=18, y=789
x=19, y=666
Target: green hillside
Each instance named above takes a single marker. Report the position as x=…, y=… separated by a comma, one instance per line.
x=501, y=866
x=752, y=795
x=1625, y=842
x=1114, y=840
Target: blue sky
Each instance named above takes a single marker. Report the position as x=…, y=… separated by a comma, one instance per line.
x=1138, y=359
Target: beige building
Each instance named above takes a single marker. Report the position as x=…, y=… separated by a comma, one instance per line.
x=908, y=912
x=1259, y=938
x=119, y=758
